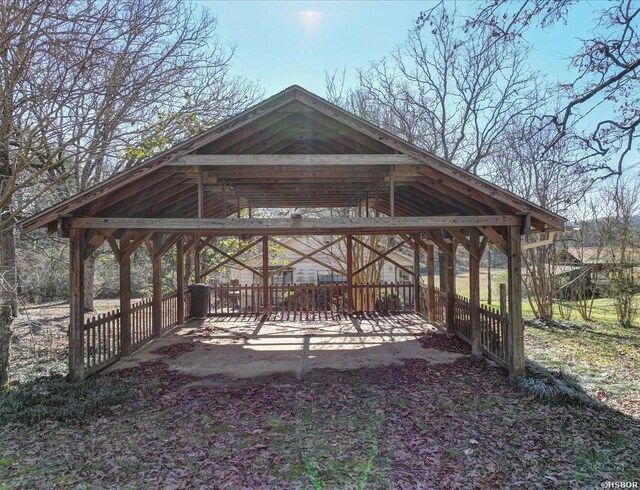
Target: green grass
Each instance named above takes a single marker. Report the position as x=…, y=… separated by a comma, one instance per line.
x=603, y=308
x=57, y=399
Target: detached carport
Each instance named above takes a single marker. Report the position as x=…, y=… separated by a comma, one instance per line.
x=294, y=150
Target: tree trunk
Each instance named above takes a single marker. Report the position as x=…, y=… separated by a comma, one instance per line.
x=489, y=285
x=89, y=283
x=5, y=340
x=8, y=273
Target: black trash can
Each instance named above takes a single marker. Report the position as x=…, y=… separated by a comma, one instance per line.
x=199, y=300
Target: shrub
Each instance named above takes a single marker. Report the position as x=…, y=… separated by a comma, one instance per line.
x=389, y=302
x=55, y=398
x=553, y=386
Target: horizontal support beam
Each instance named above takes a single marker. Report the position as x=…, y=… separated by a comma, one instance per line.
x=295, y=226
x=296, y=159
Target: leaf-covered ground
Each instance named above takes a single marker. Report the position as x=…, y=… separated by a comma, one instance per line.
x=419, y=425
x=605, y=358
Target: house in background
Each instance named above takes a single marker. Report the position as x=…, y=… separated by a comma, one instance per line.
x=586, y=270
x=308, y=271
x=312, y=273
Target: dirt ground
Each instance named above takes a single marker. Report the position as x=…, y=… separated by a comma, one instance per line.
x=227, y=349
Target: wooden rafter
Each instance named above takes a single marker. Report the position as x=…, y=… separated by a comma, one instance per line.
x=304, y=256
x=235, y=256
x=133, y=245
x=233, y=259
x=384, y=255
x=496, y=238
x=287, y=226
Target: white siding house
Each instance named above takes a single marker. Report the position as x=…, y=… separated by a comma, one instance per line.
x=309, y=272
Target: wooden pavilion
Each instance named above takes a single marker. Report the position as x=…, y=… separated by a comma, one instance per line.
x=293, y=150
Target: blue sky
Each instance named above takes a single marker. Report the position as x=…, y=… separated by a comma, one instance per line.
x=293, y=42
x=285, y=43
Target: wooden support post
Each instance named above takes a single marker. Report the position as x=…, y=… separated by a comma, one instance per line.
x=180, y=278
x=224, y=200
x=474, y=293
x=349, y=253
x=515, y=334
x=366, y=206
x=392, y=193
x=450, y=283
x=417, y=296
x=265, y=275
x=76, y=304
x=503, y=299
x=125, y=300
x=196, y=261
x=156, y=301
x=431, y=290
x=200, y=194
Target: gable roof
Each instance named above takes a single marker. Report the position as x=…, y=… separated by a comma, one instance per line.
x=294, y=121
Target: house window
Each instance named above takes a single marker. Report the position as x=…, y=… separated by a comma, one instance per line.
x=404, y=276
x=330, y=277
x=284, y=277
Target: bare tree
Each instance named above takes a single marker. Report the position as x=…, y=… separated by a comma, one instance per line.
x=522, y=165
x=446, y=91
x=121, y=73
x=617, y=234
x=606, y=68
x=82, y=83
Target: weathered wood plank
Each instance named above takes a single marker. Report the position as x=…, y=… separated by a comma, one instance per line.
x=474, y=292
x=265, y=275
x=349, y=254
x=157, y=289
x=515, y=335
x=180, y=283
x=431, y=291
x=293, y=159
x=76, y=304
x=125, y=299
x=293, y=226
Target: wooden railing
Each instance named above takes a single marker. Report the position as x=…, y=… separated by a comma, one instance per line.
x=310, y=298
x=462, y=317
x=493, y=328
x=187, y=303
x=102, y=331
x=232, y=300
x=169, y=311
x=286, y=299
x=494, y=334
x=102, y=340
x=141, y=323
x=386, y=297
x=440, y=307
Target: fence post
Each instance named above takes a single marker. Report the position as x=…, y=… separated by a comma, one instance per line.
x=349, y=253
x=417, y=297
x=431, y=290
x=503, y=299
x=125, y=299
x=474, y=293
x=76, y=303
x=156, y=306
x=265, y=275
x=450, y=262
x=515, y=334
x=180, y=280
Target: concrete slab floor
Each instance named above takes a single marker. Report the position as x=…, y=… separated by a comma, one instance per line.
x=225, y=350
